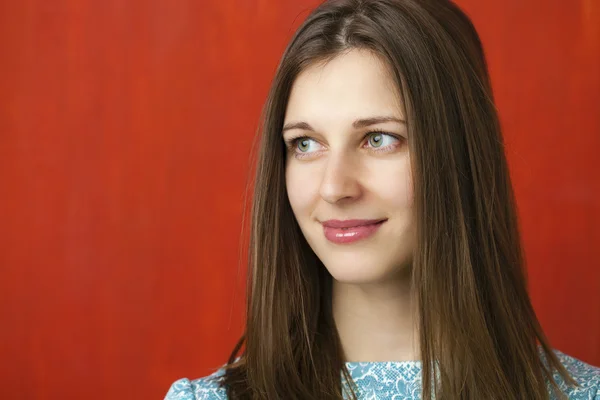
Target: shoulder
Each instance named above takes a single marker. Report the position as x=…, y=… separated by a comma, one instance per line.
x=205, y=388
x=587, y=377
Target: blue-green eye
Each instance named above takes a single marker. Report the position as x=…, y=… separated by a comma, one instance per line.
x=303, y=144
x=376, y=140
x=380, y=139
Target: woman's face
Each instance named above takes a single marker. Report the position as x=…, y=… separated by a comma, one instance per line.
x=341, y=171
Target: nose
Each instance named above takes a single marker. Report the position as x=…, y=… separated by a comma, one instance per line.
x=340, y=179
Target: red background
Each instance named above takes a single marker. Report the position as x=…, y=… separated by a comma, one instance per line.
x=125, y=128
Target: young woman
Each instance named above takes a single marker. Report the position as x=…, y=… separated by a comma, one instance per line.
x=385, y=258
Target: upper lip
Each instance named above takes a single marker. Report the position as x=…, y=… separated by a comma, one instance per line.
x=349, y=223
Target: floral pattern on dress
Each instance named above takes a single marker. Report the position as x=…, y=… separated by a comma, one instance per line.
x=395, y=380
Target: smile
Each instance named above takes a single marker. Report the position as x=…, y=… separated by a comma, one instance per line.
x=341, y=232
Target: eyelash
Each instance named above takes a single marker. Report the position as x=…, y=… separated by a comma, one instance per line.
x=292, y=142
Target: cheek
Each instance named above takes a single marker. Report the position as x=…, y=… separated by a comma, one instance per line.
x=393, y=184
x=300, y=189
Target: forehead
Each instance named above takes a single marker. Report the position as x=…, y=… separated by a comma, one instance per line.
x=351, y=85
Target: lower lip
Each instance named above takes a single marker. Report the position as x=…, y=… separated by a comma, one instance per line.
x=339, y=236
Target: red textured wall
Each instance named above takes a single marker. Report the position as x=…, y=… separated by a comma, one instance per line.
x=124, y=136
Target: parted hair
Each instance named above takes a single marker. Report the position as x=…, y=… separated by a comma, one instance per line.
x=478, y=333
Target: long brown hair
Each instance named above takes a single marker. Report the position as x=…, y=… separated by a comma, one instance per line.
x=475, y=320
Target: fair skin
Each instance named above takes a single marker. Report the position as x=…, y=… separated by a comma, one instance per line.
x=341, y=171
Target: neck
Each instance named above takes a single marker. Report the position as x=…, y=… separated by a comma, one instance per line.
x=375, y=321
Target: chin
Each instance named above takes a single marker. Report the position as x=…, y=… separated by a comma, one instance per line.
x=356, y=274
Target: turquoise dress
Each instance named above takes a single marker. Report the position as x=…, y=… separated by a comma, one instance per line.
x=393, y=380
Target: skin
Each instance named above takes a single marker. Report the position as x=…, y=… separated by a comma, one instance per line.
x=340, y=171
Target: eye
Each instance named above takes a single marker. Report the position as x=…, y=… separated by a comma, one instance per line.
x=302, y=145
x=381, y=139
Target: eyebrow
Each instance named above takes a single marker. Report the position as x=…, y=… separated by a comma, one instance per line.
x=359, y=123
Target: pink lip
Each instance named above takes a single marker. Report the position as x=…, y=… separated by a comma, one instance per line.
x=349, y=231
x=350, y=223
